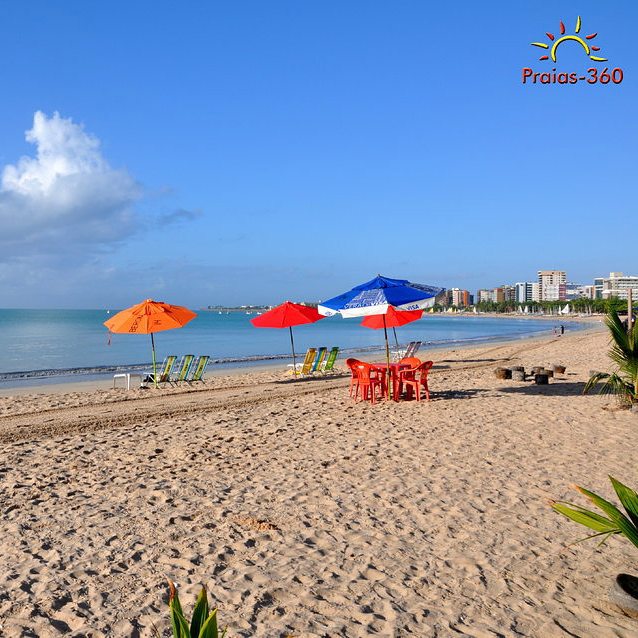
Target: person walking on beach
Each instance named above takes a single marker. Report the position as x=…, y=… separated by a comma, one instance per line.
x=562, y=329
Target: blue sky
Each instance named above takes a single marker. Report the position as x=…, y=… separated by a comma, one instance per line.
x=250, y=152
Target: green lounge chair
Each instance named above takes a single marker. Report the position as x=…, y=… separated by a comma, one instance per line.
x=329, y=365
x=321, y=355
x=308, y=362
x=198, y=369
x=164, y=373
x=183, y=368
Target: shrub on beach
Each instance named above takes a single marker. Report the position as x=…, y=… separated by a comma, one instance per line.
x=624, y=353
x=203, y=622
x=612, y=521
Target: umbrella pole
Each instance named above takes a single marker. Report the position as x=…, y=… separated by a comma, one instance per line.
x=154, y=362
x=387, y=358
x=294, y=361
x=395, y=338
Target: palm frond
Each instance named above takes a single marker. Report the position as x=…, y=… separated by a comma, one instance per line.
x=624, y=353
x=628, y=498
x=616, y=385
x=594, y=380
x=612, y=521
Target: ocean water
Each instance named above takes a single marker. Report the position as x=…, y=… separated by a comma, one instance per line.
x=55, y=343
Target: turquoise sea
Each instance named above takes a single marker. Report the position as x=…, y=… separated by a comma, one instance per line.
x=36, y=344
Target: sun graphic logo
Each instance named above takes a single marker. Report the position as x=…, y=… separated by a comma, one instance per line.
x=566, y=38
x=593, y=75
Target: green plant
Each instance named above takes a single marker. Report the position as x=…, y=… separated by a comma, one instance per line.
x=613, y=522
x=203, y=622
x=624, y=353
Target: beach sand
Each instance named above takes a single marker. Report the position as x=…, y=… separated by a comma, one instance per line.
x=306, y=514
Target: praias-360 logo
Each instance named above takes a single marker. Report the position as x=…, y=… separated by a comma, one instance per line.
x=594, y=74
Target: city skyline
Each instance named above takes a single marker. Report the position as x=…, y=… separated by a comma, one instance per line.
x=551, y=285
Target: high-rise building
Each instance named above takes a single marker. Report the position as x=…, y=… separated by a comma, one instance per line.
x=482, y=295
x=442, y=298
x=554, y=292
x=552, y=285
x=526, y=292
x=534, y=291
x=617, y=285
x=459, y=298
x=520, y=295
x=509, y=293
x=579, y=291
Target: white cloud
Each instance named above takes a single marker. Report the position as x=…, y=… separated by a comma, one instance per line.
x=65, y=199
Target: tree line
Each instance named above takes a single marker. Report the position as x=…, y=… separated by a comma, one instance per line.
x=580, y=305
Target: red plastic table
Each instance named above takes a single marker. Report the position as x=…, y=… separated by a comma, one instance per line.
x=394, y=376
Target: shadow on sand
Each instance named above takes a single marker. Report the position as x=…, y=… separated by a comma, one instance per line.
x=469, y=360
x=300, y=380
x=454, y=394
x=558, y=388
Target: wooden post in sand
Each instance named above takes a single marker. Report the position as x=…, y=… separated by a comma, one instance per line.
x=630, y=310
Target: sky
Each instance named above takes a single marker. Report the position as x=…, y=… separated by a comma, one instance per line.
x=251, y=152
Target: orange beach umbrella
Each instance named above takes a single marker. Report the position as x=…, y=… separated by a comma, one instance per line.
x=150, y=317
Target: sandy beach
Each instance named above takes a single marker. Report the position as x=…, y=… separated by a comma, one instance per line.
x=306, y=514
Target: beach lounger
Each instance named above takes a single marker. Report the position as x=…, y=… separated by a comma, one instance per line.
x=321, y=355
x=308, y=361
x=163, y=373
x=399, y=353
x=198, y=369
x=329, y=364
x=410, y=351
x=183, y=368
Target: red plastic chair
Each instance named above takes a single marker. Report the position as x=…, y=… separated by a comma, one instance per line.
x=369, y=380
x=406, y=374
x=354, y=379
x=415, y=379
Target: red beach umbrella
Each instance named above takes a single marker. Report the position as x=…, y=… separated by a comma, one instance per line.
x=392, y=319
x=287, y=315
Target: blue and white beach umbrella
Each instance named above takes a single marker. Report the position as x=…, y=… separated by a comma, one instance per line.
x=375, y=297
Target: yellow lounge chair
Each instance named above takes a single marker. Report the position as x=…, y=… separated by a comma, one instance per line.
x=183, y=368
x=306, y=366
x=198, y=369
x=164, y=373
